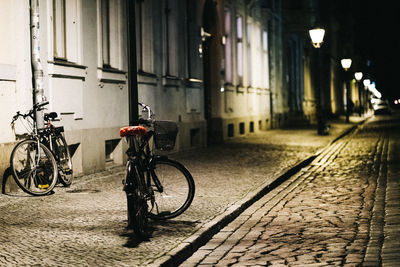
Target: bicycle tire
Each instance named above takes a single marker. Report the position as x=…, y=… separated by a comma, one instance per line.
x=64, y=162
x=178, y=189
x=136, y=202
x=34, y=175
x=137, y=214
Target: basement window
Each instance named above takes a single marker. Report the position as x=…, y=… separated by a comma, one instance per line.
x=251, y=127
x=241, y=128
x=110, y=147
x=231, y=129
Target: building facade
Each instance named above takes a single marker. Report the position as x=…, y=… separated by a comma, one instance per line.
x=219, y=68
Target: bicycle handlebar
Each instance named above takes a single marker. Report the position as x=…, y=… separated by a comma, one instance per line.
x=37, y=106
x=150, y=114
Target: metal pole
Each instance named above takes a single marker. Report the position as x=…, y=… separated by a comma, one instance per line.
x=132, y=63
x=38, y=92
x=321, y=127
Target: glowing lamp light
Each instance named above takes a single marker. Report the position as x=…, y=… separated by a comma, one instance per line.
x=366, y=82
x=372, y=86
x=358, y=76
x=317, y=36
x=374, y=91
x=346, y=63
x=396, y=101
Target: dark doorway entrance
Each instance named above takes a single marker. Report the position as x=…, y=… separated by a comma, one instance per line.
x=211, y=69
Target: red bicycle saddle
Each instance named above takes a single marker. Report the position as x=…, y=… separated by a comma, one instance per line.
x=132, y=130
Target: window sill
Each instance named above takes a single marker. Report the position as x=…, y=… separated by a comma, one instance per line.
x=111, y=75
x=240, y=89
x=192, y=82
x=65, y=69
x=171, y=81
x=147, y=78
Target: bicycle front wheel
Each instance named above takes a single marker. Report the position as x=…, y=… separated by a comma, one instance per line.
x=173, y=188
x=60, y=149
x=33, y=167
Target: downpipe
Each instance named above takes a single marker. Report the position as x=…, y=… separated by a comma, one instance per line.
x=37, y=69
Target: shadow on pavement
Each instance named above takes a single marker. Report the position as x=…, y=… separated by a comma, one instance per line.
x=159, y=228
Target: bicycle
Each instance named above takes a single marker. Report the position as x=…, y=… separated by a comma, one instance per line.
x=156, y=187
x=42, y=158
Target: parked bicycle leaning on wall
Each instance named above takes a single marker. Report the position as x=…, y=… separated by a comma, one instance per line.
x=42, y=158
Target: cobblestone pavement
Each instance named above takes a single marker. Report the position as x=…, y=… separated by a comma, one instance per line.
x=84, y=225
x=341, y=210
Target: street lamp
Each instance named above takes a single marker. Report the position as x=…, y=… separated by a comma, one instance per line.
x=366, y=83
x=317, y=38
x=358, y=76
x=346, y=63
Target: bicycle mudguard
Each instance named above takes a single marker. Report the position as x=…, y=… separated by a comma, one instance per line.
x=132, y=179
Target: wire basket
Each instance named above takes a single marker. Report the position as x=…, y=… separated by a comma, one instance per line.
x=165, y=135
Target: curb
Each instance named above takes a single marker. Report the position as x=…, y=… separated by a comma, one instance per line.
x=184, y=250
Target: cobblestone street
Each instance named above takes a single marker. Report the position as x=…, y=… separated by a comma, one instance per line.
x=341, y=210
x=321, y=214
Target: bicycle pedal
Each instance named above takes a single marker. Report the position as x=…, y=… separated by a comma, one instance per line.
x=43, y=186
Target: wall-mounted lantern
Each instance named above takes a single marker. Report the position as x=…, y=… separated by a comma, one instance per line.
x=358, y=76
x=346, y=63
x=317, y=36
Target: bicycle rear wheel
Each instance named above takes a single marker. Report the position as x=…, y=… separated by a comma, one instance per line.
x=173, y=188
x=136, y=202
x=60, y=149
x=33, y=167
x=137, y=214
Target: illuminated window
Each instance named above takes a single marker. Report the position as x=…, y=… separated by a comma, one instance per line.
x=265, y=60
x=228, y=47
x=249, y=59
x=239, y=49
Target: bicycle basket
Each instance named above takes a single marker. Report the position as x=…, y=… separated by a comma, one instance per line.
x=165, y=135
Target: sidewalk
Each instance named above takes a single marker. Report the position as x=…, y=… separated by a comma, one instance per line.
x=87, y=220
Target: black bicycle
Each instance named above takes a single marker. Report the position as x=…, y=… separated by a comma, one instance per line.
x=42, y=158
x=156, y=187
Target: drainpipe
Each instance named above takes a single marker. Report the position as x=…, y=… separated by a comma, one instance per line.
x=38, y=92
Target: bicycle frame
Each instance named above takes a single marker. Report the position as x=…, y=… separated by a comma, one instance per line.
x=139, y=157
x=139, y=166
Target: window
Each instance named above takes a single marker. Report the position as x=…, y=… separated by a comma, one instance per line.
x=239, y=49
x=144, y=32
x=249, y=52
x=257, y=74
x=265, y=60
x=231, y=130
x=66, y=40
x=228, y=46
x=59, y=29
x=171, y=37
x=241, y=128
x=111, y=36
x=105, y=32
x=194, y=40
